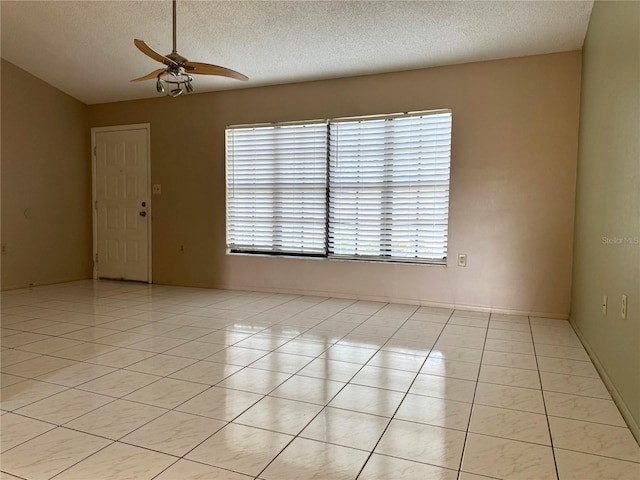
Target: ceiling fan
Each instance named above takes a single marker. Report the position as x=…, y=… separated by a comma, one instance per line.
x=177, y=70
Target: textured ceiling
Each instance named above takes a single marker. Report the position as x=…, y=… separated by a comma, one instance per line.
x=85, y=48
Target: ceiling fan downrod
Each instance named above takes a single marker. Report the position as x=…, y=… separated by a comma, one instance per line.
x=175, y=48
x=174, y=74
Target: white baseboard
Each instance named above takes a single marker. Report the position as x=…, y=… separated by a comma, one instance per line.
x=410, y=301
x=46, y=282
x=617, y=398
x=371, y=298
x=320, y=293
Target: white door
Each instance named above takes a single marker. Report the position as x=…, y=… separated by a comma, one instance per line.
x=121, y=209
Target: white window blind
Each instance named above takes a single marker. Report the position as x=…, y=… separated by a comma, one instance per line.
x=389, y=187
x=276, y=188
x=365, y=188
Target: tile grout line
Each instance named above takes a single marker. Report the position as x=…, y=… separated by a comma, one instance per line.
x=88, y=412
x=326, y=404
x=544, y=403
x=338, y=392
x=86, y=433
x=268, y=393
x=473, y=400
x=405, y=393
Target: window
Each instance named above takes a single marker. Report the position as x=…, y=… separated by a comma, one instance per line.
x=373, y=188
x=276, y=189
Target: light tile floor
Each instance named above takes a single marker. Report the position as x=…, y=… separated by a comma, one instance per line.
x=111, y=380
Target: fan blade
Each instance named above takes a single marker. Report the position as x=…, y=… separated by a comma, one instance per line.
x=150, y=52
x=208, y=69
x=151, y=75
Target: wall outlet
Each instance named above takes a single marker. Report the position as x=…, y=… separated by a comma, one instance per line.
x=156, y=188
x=623, y=310
x=462, y=259
x=604, y=305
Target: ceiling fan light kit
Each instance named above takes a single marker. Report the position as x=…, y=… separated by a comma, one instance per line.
x=177, y=72
x=177, y=81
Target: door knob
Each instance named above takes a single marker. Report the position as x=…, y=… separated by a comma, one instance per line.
x=143, y=214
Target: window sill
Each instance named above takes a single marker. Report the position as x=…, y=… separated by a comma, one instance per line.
x=341, y=259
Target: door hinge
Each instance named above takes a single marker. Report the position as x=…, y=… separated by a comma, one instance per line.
x=95, y=151
x=95, y=204
x=96, y=258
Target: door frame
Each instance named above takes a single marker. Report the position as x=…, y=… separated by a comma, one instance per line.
x=115, y=128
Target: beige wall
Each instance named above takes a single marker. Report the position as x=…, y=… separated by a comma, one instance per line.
x=46, y=183
x=608, y=199
x=515, y=127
